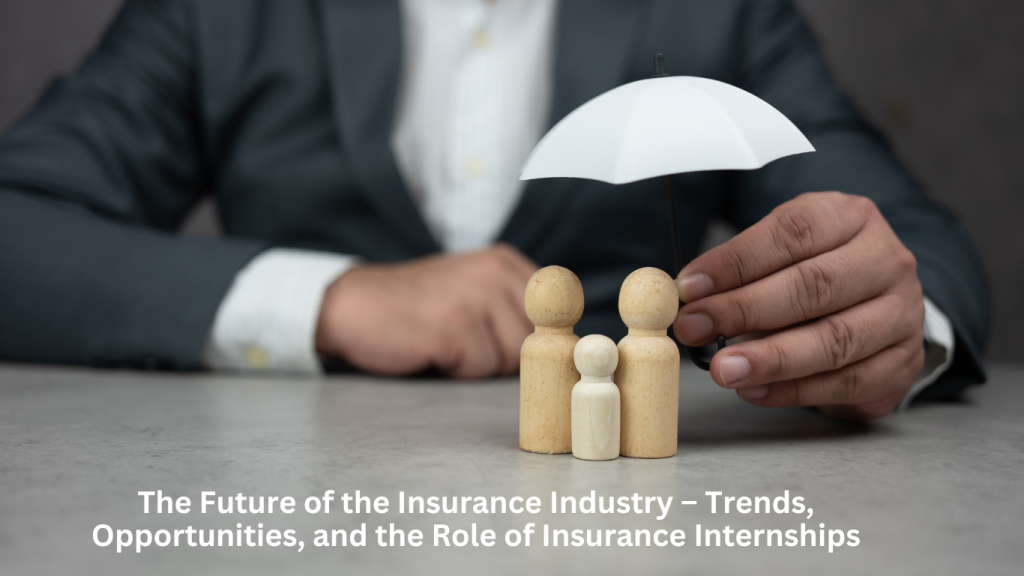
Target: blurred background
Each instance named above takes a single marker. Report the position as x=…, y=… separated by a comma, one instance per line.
x=943, y=79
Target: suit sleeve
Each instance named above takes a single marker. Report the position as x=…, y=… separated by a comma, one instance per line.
x=93, y=184
x=781, y=63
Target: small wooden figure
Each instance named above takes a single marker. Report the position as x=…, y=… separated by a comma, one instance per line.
x=648, y=371
x=595, y=400
x=547, y=373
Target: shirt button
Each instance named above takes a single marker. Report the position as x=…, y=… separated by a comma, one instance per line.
x=473, y=167
x=482, y=39
x=257, y=357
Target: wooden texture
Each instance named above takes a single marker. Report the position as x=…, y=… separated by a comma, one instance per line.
x=595, y=400
x=648, y=370
x=547, y=371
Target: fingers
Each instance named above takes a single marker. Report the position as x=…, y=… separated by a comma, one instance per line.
x=462, y=314
x=870, y=388
x=824, y=345
x=510, y=323
x=804, y=227
x=836, y=290
x=522, y=266
x=508, y=313
x=492, y=323
x=470, y=348
x=511, y=327
x=857, y=271
x=515, y=288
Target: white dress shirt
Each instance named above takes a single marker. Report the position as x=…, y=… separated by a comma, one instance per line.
x=474, y=102
x=474, y=99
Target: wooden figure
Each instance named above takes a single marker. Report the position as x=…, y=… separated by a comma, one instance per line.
x=547, y=372
x=595, y=400
x=648, y=371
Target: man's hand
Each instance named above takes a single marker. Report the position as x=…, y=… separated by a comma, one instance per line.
x=838, y=292
x=463, y=315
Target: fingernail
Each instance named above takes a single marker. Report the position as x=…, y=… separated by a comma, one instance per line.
x=733, y=369
x=755, y=393
x=694, y=287
x=694, y=328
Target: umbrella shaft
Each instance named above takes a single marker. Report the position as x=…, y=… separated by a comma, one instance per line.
x=673, y=218
x=670, y=187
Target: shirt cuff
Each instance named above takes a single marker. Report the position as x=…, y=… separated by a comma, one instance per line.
x=939, y=345
x=268, y=319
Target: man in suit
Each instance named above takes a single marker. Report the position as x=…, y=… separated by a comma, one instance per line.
x=363, y=155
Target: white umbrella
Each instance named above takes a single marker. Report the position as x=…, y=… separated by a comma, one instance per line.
x=665, y=126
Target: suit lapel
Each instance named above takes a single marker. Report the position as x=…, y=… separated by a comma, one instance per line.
x=363, y=39
x=592, y=48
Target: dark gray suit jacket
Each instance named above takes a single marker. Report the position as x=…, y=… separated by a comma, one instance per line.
x=282, y=110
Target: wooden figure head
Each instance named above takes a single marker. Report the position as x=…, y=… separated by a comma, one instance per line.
x=554, y=298
x=596, y=355
x=649, y=300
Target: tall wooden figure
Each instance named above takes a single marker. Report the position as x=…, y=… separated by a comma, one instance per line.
x=595, y=400
x=547, y=372
x=648, y=372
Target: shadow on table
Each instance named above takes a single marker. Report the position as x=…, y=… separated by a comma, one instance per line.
x=709, y=415
x=731, y=426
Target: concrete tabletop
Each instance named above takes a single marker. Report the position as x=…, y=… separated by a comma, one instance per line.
x=936, y=490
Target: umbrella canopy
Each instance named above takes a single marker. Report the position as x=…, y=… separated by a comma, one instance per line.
x=665, y=126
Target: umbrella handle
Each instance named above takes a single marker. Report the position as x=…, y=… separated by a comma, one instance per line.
x=694, y=355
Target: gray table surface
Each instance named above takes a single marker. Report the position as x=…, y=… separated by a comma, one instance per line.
x=936, y=490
